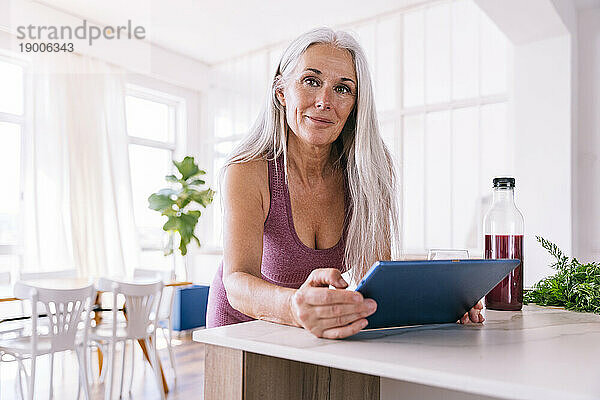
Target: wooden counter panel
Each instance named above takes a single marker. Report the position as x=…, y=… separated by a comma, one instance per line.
x=236, y=374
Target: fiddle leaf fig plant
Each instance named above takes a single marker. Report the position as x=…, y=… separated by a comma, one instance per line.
x=180, y=203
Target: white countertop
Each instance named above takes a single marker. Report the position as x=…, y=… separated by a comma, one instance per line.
x=542, y=353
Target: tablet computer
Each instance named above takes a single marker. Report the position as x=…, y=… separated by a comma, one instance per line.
x=429, y=292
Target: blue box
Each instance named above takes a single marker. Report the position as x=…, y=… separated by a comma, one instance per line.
x=189, y=307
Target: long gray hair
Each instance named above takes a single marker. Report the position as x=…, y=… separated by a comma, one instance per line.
x=373, y=228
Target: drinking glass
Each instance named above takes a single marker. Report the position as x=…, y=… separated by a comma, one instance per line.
x=447, y=254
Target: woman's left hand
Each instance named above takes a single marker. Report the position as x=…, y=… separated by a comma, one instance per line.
x=474, y=314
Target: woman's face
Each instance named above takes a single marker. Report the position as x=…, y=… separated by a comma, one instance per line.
x=320, y=94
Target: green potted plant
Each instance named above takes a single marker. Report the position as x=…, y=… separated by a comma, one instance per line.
x=180, y=203
x=574, y=286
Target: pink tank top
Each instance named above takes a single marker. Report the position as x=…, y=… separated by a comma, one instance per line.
x=286, y=261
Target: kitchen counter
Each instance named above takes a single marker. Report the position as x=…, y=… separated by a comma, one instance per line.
x=537, y=353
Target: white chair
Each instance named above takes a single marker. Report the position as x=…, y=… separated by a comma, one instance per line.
x=58, y=274
x=66, y=328
x=141, y=302
x=165, y=310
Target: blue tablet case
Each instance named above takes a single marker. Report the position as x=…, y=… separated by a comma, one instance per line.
x=429, y=292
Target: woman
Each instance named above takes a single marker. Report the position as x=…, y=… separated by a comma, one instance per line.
x=308, y=195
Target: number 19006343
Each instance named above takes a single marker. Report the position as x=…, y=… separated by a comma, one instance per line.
x=46, y=47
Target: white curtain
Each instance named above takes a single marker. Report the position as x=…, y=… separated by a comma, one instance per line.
x=78, y=204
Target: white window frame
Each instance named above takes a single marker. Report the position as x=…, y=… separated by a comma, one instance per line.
x=177, y=122
x=397, y=115
x=24, y=121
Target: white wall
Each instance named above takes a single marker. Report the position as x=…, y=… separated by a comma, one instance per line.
x=138, y=56
x=543, y=110
x=587, y=159
x=557, y=119
x=542, y=118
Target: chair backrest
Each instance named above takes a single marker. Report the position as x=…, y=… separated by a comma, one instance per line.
x=67, y=311
x=60, y=274
x=166, y=303
x=4, y=278
x=141, y=302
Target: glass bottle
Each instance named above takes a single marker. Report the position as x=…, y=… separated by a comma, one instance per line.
x=503, y=227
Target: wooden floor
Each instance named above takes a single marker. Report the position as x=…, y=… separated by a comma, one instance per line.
x=190, y=375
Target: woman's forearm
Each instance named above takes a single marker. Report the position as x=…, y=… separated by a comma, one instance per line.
x=258, y=298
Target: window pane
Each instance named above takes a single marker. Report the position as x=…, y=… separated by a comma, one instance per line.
x=414, y=59
x=494, y=55
x=11, y=94
x=388, y=133
x=156, y=260
x=223, y=148
x=8, y=263
x=437, y=53
x=465, y=178
x=464, y=49
x=386, y=67
x=366, y=37
x=224, y=120
x=274, y=57
x=258, y=82
x=413, y=156
x=217, y=238
x=148, y=169
x=10, y=176
x=437, y=180
x=495, y=155
x=241, y=114
x=149, y=119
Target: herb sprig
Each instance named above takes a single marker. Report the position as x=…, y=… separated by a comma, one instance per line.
x=575, y=286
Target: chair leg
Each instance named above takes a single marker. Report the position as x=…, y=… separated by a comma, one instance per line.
x=32, y=378
x=152, y=353
x=108, y=385
x=88, y=363
x=104, y=350
x=122, y=370
x=51, y=375
x=170, y=348
x=20, y=369
x=132, y=363
x=83, y=379
x=79, y=382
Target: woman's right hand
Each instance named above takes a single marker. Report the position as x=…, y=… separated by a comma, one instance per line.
x=330, y=313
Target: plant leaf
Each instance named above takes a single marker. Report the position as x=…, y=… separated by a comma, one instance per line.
x=159, y=202
x=183, y=246
x=171, y=178
x=195, y=213
x=187, y=168
x=173, y=201
x=204, y=197
x=168, y=192
x=574, y=286
x=197, y=240
x=172, y=224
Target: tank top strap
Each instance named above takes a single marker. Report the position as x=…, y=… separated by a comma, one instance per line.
x=277, y=185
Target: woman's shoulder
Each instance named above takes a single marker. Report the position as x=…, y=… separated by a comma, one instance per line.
x=248, y=176
x=251, y=171
x=248, y=182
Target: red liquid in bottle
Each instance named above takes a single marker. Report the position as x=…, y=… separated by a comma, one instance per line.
x=508, y=294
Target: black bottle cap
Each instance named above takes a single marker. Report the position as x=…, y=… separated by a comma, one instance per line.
x=504, y=182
